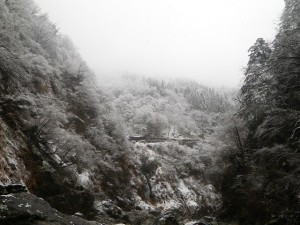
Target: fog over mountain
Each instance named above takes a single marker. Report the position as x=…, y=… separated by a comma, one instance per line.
x=170, y=38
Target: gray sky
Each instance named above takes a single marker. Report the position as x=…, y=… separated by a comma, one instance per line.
x=199, y=39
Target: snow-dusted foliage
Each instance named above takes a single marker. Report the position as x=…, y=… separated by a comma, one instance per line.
x=53, y=118
x=65, y=138
x=262, y=180
x=173, y=177
x=158, y=108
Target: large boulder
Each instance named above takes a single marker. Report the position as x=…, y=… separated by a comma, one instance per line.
x=26, y=209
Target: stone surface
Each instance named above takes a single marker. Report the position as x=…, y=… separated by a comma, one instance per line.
x=12, y=188
x=27, y=209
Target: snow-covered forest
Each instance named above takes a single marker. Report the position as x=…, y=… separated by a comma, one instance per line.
x=131, y=149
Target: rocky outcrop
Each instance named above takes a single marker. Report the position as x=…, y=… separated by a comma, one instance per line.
x=26, y=209
x=166, y=219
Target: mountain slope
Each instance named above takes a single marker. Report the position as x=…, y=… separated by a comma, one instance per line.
x=56, y=125
x=61, y=136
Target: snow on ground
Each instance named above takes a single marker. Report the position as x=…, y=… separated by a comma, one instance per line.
x=57, y=158
x=143, y=205
x=84, y=178
x=191, y=222
x=169, y=205
x=189, y=196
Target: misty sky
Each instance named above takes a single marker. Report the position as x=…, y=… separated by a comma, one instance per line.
x=199, y=39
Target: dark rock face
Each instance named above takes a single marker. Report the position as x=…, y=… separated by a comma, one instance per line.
x=166, y=219
x=278, y=221
x=74, y=201
x=27, y=209
x=171, y=221
x=12, y=188
x=57, y=186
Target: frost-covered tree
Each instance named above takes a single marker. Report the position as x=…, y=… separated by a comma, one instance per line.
x=256, y=90
x=270, y=107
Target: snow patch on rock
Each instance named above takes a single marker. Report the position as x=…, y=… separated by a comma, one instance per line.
x=189, y=196
x=84, y=178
